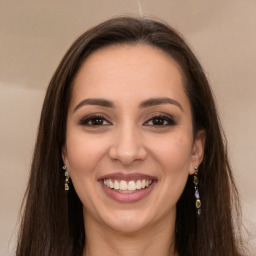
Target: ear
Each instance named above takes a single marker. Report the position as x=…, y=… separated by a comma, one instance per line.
x=197, y=152
x=65, y=156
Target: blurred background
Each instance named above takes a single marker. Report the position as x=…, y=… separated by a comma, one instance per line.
x=34, y=36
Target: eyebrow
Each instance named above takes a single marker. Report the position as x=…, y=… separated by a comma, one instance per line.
x=160, y=101
x=97, y=102
x=144, y=104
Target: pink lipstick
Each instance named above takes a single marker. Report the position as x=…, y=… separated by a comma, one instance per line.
x=127, y=188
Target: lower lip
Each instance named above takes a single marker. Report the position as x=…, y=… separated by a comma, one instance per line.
x=128, y=197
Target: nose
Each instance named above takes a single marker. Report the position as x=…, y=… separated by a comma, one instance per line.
x=127, y=146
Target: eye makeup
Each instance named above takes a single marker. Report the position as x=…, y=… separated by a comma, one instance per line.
x=94, y=120
x=160, y=120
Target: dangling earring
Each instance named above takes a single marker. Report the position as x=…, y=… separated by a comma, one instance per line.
x=197, y=197
x=67, y=177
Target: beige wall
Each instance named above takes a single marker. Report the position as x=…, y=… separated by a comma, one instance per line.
x=35, y=34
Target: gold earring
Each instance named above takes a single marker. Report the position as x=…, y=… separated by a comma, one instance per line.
x=197, y=196
x=67, y=177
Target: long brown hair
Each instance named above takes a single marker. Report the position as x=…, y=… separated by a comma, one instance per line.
x=52, y=222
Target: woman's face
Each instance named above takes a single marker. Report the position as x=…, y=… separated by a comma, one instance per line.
x=129, y=142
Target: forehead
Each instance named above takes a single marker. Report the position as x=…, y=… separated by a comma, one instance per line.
x=131, y=71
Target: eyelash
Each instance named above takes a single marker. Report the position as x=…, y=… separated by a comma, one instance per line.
x=87, y=121
x=163, y=119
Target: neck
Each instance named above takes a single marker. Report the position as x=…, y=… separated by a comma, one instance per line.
x=157, y=239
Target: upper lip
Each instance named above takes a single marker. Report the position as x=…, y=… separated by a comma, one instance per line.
x=127, y=176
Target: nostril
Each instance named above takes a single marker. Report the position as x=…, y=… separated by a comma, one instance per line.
x=127, y=153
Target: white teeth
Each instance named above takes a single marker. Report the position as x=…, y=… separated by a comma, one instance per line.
x=110, y=184
x=116, y=184
x=124, y=186
x=138, y=184
x=131, y=185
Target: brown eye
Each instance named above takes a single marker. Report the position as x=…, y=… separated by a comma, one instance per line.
x=94, y=121
x=160, y=121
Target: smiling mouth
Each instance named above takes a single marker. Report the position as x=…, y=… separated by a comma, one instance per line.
x=127, y=187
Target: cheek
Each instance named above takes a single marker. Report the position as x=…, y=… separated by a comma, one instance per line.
x=174, y=153
x=174, y=159
x=83, y=153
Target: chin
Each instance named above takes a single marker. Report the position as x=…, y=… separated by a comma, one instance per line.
x=128, y=221
x=127, y=225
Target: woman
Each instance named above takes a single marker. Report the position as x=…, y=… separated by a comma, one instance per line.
x=130, y=156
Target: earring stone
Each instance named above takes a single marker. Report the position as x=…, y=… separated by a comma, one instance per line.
x=66, y=186
x=197, y=196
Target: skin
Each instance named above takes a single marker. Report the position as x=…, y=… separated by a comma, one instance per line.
x=130, y=139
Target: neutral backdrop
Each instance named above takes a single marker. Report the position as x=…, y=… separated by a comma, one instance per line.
x=34, y=35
